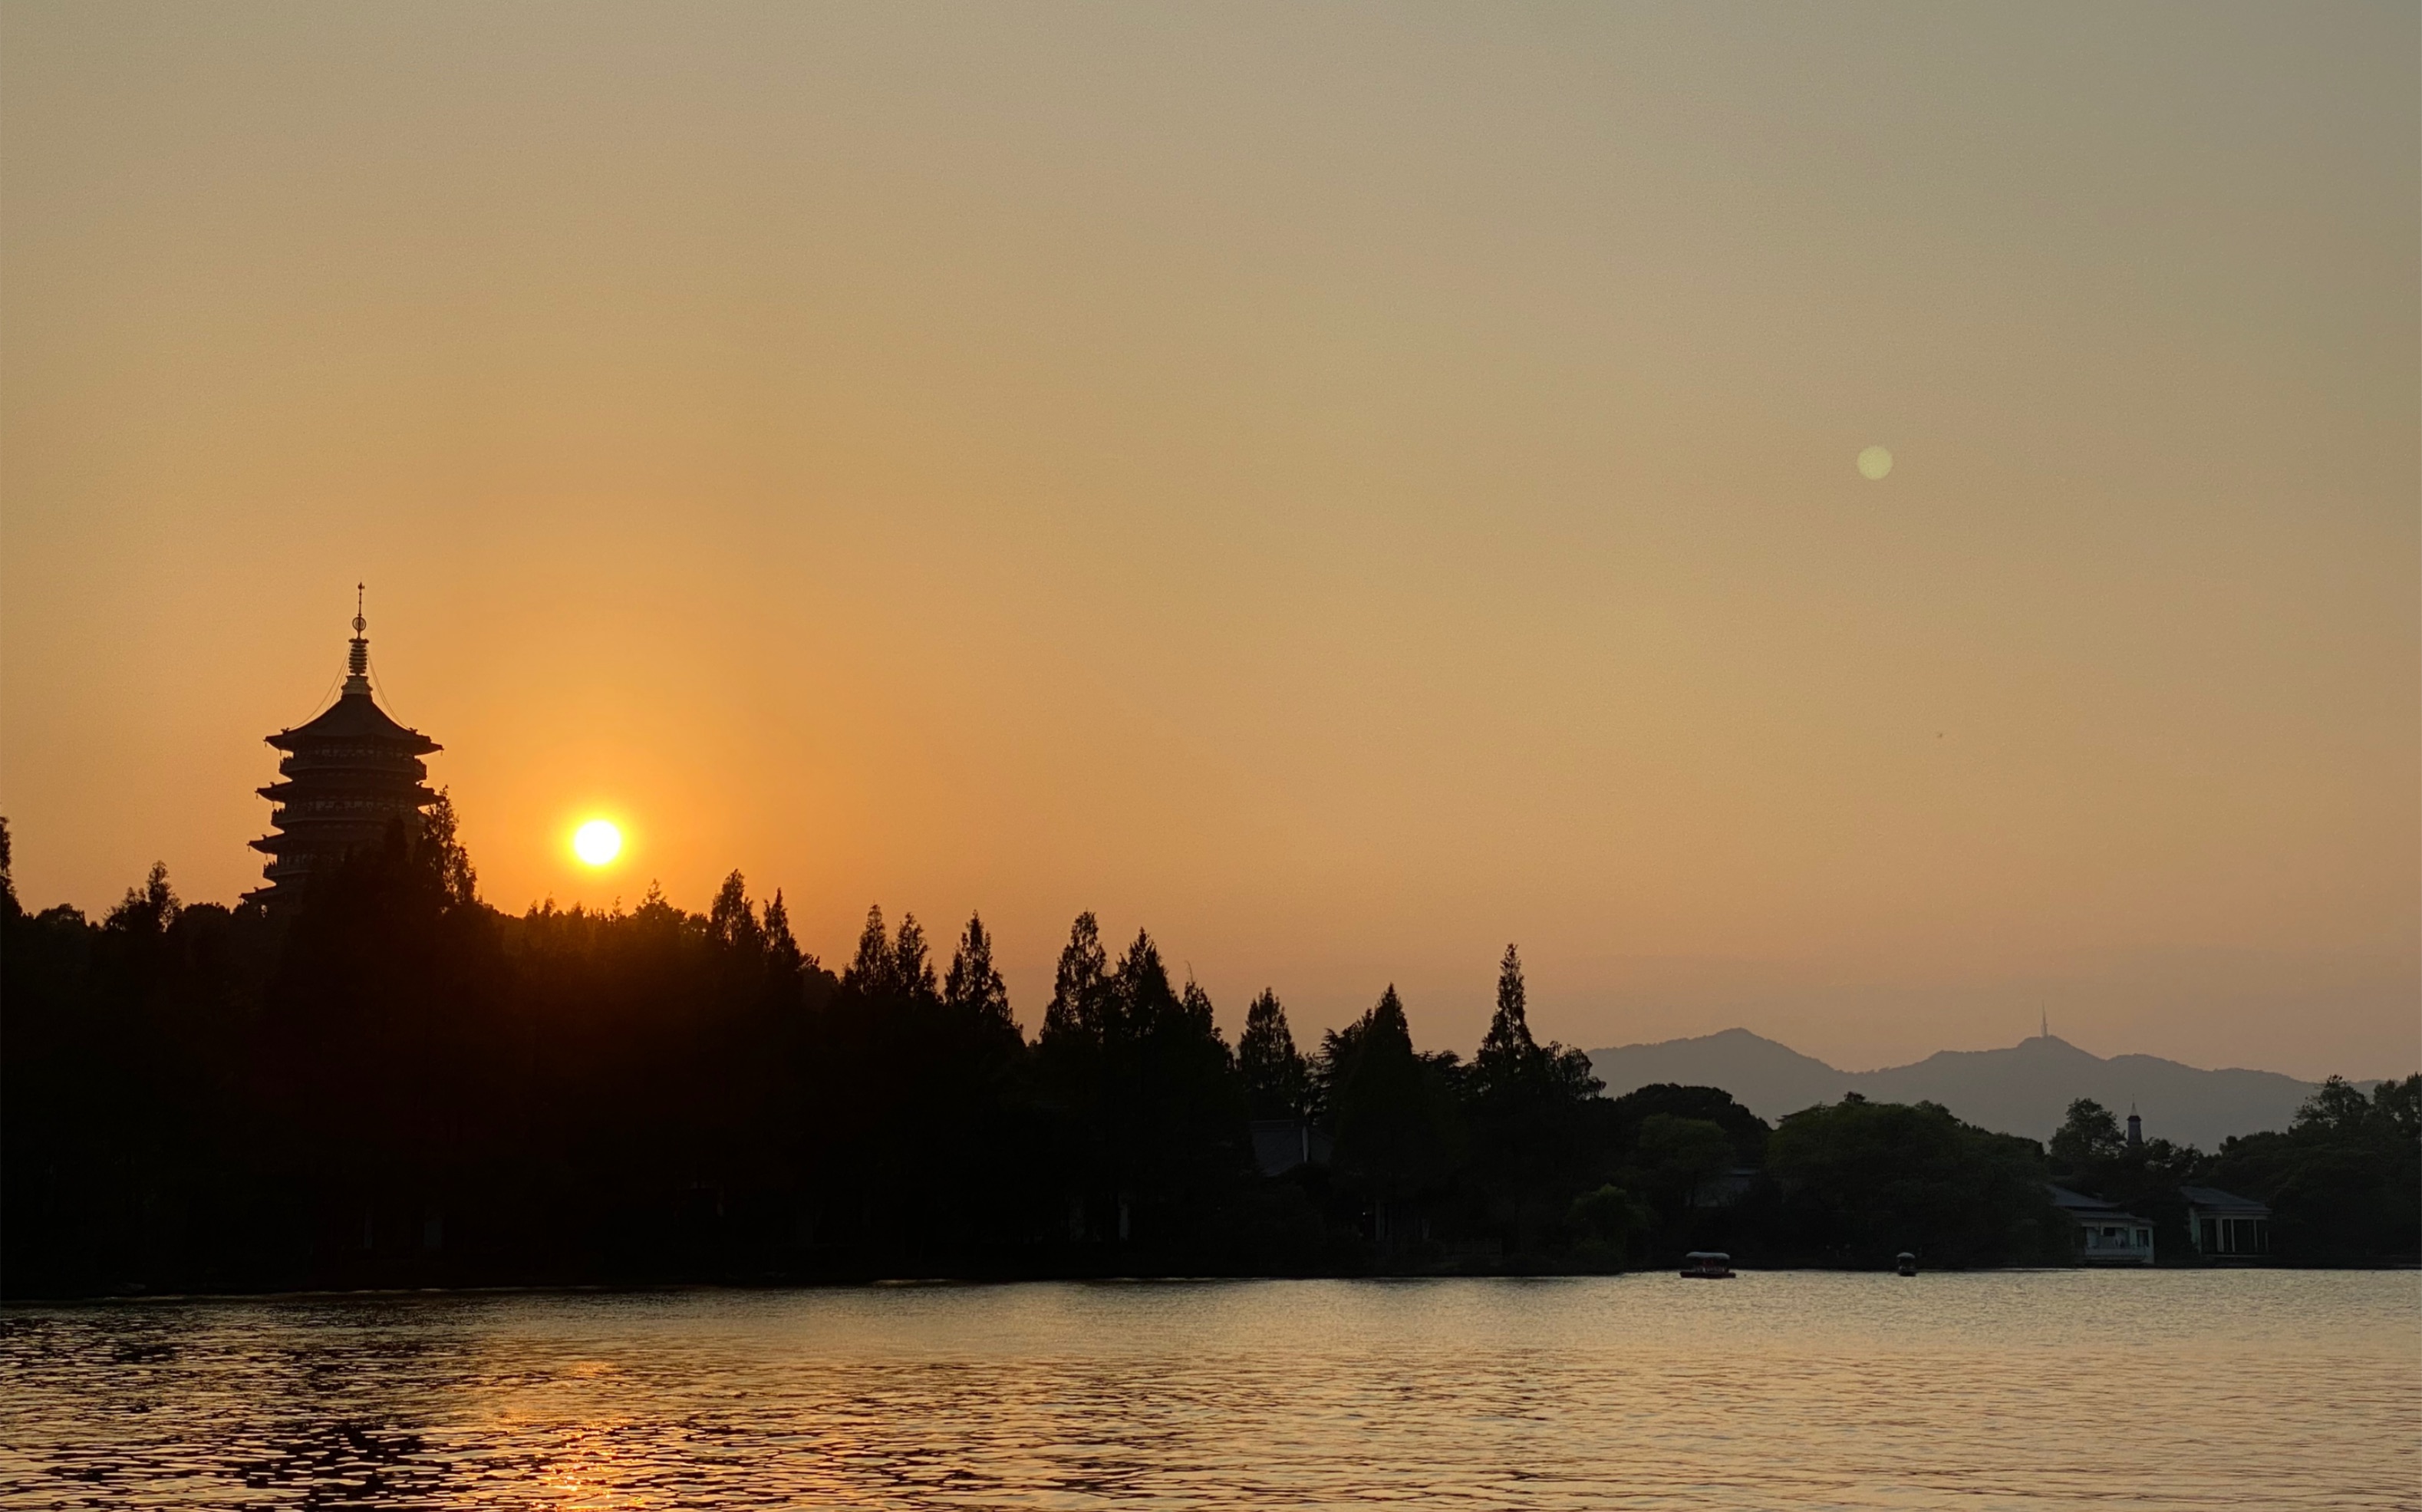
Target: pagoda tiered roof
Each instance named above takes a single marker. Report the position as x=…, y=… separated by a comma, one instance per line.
x=356, y=715
x=349, y=775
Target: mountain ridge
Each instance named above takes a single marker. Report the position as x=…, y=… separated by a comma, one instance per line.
x=2024, y=1089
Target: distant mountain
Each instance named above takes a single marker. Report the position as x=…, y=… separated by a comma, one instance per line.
x=1769, y=1080
x=2022, y=1090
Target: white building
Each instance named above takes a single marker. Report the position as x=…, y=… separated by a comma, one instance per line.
x=2225, y=1226
x=2106, y=1235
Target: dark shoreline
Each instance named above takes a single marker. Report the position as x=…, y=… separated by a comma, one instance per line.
x=641, y=1288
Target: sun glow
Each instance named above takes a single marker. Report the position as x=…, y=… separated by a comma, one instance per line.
x=597, y=842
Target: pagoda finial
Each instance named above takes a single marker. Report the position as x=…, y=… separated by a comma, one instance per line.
x=357, y=664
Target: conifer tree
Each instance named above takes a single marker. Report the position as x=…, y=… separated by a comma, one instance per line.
x=1176, y=1107
x=732, y=920
x=656, y=910
x=1073, y=1077
x=1508, y=1061
x=781, y=944
x=1196, y=1018
x=1526, y=1109
x=1397, y=1130
x=870, y=971
x=445, y=855
x=1077, y=985
x=1276, y=1080
x=1140, y=994
x=974, y=985
x=912, y=964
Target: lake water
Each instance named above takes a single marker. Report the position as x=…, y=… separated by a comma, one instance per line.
x=2032, y=1390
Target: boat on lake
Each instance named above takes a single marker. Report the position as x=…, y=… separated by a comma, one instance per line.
x=1707, y=1264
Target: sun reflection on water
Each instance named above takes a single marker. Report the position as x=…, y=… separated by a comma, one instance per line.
x=2003, y=1390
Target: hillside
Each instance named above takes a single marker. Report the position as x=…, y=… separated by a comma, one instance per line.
x=2022, y=1090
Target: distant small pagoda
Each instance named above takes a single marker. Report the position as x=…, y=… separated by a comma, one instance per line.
x=346, y=777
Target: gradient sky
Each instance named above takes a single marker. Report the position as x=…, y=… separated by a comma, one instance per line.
x=1343, y=487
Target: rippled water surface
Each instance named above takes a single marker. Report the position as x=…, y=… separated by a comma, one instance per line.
x=2271, y=1389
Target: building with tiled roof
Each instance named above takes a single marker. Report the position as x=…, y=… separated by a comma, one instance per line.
x=346, y=777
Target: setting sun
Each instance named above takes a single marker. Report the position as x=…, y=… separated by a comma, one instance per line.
x=597, y=842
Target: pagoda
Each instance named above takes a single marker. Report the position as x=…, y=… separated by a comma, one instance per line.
x=346, y=777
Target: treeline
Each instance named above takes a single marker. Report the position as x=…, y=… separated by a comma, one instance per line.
x=2343, y=1180
x=400, y=1085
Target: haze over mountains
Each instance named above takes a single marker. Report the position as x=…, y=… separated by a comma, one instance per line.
x=2022, y=1090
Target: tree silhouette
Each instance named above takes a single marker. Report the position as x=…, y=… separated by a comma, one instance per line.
x=912, y=964
x=974, y=986
x=780, y=945
x=457, y=879
x=1528, y=1103
x=1864, y=1181
x=2089, y=1133
x=872, y=970
x=1078, y=983
x=9, y=906
x=1150, y=1112
x=394, y=1083
x=1509, y=1058
x=1278, y=1080
x=732, y=920
x=1398, y=1133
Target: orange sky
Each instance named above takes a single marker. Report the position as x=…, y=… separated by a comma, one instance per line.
x=1341, y=487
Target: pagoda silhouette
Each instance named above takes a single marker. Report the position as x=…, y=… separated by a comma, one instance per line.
x=347, y=775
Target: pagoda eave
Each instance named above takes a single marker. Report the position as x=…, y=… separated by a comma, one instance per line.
x=417, y=744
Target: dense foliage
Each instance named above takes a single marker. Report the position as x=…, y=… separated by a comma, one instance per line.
x=1857, y=1181
x=2343, y=1180
x=400, y=1085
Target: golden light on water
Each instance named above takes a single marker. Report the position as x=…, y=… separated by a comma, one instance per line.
x=1874, y=462
x=597, y=842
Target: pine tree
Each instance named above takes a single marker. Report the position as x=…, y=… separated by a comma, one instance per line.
x=780, y=945
x=1276, y=1080
x=1177, y=1112
x=1073, y=1075
x=656, y=910
x=1509, y=1058
x=730, y=920
x=869, y=973
x=1077, y=986
x=1140, y=994
x=1397, y=1132
x=912, y=964
x=1196, y=1017
x=974, y=985
x=444, y=854
x=1526, y=1109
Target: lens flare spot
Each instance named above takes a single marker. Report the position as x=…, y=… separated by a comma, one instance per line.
x=597, y=842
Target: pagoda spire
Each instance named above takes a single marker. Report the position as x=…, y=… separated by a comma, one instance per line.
x=357, y=663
